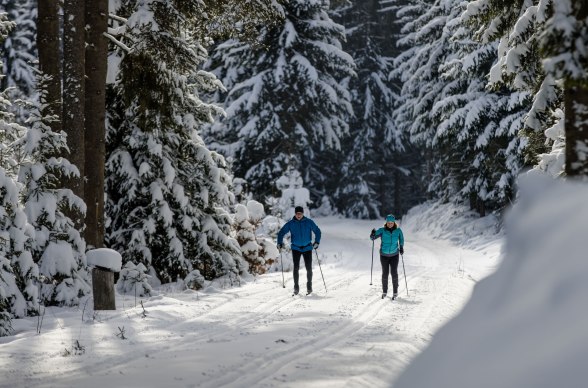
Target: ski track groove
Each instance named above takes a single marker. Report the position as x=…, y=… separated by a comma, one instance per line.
x=344, y=331
x=258, y=316
x=243, y=376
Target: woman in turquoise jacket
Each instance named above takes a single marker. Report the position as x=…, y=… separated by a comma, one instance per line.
x=392, y=244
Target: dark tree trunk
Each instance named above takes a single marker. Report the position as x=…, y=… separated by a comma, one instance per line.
x=49, y=57
x=95, y=115
x=73, y=88
x=576, y=116
x=103, y=289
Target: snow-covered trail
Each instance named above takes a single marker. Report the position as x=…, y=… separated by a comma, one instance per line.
x=258, y=335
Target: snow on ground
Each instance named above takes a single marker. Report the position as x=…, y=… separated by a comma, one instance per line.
x=525, y=325
x=258, y=334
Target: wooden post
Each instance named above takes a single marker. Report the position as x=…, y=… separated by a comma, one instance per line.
x=103, y=289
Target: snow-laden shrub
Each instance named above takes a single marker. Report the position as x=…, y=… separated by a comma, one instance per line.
x=195, y=280
x=245, y=235
x=257, y=247
x=134, y=280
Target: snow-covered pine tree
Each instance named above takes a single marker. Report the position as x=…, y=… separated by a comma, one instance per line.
x=374, y=137
x=134, y=279
x=17, y=232
x=26, y=271
x=479, y=127
x=167, y=193
x=470, y=131
x=8, y=290
x=58, y=247
x=13, y=226
x=417, y=70
x=563, y=43
x=10, y=132
x=293, y=194
x=285, y=99
x=268, y=252
x=517, y=25
x=19, y=52
x=245, y=236
x=18, y=272
x=239, y=19
x=10, y=295
x=258, y=250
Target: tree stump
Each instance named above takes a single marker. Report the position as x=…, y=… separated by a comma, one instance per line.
x=103, y=289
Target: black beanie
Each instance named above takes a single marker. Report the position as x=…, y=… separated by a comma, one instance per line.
x=298, y=209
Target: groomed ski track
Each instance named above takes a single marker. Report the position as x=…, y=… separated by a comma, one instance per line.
x=259, y=335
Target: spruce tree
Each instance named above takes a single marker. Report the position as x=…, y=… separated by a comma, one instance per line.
x=17, y=233
x=8, y=290
x=479, y=125
x=19, y=52
x=167, y=193
x=245, y=235
x=58, y=247
x=285, y=103
x=471, y=131
x=374, y=138
x=17, y=271
x=563, y=43
x=417, y=70
x=8, y=201
x=517, y=25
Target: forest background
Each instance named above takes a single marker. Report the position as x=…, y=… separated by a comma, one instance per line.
x=158, y=128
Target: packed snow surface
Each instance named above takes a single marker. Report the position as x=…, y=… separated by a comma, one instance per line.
x=258, y=334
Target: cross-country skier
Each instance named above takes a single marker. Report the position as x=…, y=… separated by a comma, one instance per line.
x=392, y=244
x=300, y=229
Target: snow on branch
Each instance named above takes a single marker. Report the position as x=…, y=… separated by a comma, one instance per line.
x=120, y=44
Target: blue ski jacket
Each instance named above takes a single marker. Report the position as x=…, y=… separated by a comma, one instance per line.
x=391, y=239
x=300, y=234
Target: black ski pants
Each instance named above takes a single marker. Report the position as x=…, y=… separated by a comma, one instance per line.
x=307, y=263
x=389, y=265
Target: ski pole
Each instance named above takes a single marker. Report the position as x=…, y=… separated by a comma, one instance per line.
x=282, y=265
x=319, y=262
x=403, y=270
x=372, y=271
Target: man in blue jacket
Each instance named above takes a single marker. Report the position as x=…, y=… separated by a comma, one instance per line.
x=300, y=229
x=392, y=244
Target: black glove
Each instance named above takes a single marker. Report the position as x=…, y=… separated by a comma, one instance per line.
x=373, y=234
x=280, y=246
x=315, y=245
x=401, y=250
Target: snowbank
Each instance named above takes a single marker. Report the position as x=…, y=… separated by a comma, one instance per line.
x=452, y=222
x=525, y=325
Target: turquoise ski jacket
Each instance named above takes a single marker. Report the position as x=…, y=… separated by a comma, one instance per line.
x=300, y=234
x=391, y=240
